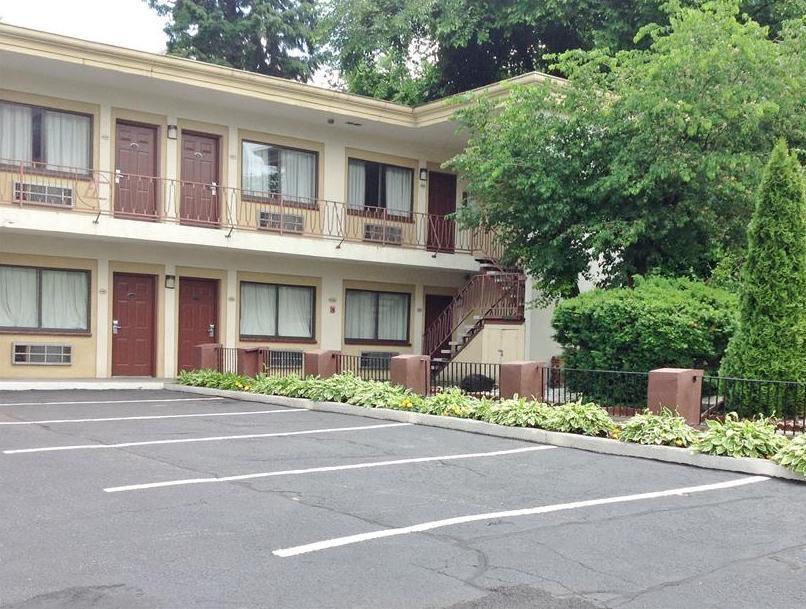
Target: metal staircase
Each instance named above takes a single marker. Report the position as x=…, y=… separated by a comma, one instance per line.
x=493, y=294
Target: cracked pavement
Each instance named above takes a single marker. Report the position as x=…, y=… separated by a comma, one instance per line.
x=64, y=543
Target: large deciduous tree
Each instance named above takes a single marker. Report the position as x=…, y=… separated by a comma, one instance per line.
x=771, y=340
x=646, y=160
x=273, y=37
x=418, y=50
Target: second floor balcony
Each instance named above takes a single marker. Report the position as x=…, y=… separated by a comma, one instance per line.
x=148, y=199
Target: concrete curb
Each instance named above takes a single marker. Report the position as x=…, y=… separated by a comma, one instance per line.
x=606, y=446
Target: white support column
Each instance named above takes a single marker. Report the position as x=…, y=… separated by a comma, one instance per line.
x=170, y=191
x=171, y=330
x=421, y=190
x=104, y=162
x=102, y=322
x=334, y=166
x=418, y=327
x=233, y=179
x=231, y=312
x=331, y=311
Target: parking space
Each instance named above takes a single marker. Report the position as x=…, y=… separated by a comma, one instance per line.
x=160, y=499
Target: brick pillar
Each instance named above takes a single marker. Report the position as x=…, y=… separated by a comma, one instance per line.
x=411, y=371
x=524, y=379
x=320, y=363
x=249, y=363
x=677, y=389
x=207, y=356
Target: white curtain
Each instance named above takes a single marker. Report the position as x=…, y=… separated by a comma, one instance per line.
x=257, y=170
x=295, y=306
x=361, y=310
x=356, y=183
x=16, y=133
x=67, y=141
x=298, y=174
x=258, y=309
x=393, y=316
x=398, y=190
x=17, y=297
x=65, y=297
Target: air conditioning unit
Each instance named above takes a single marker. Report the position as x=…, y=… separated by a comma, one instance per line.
x=287, y=223
x=378, y=233
x=43, y=194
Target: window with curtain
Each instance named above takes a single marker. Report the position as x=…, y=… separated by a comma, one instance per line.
x=45, y=139
x=276, y=311
x=272, y=170
x=44, y=299
x=376, y=185
x=377, y=316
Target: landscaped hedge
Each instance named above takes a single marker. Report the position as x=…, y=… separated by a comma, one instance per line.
x=733, y=437
x=659, y=323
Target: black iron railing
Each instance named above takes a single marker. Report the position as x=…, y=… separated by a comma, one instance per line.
x=784, y=400
x=471, y=377
x=622, y=393
x=281, y=363
x=367, y=367
x=228, y=360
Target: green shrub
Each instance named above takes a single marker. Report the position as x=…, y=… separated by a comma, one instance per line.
x=517, y=413
x=586, y=419
x=214, y=379
x=793, y=455
x=666, y=428
x=660, y=322
x=740, y=438
x=770, y=342
x=451, y=402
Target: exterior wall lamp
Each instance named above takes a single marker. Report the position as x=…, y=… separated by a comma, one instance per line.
x=170, y=282
x=172, y=132
x=423, y=175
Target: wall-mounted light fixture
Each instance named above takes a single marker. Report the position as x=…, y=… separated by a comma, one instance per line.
x=423, y=175
x=170, y=282
x=172, y=132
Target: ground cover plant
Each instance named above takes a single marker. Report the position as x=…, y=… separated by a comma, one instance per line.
x=731, y=437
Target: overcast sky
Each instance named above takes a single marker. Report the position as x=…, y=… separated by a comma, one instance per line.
x=126, y=23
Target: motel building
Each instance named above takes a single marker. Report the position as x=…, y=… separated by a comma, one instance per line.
x=150, y=204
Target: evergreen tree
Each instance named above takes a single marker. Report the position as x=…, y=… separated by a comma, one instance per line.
x=770, y=342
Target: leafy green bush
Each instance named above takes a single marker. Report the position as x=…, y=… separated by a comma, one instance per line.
x=666, y=428
x=517, y=413
x=660, y=322
x=770, y=342
x=586, y=419
x=793, y=455
x=214, y=379
x=740, y=438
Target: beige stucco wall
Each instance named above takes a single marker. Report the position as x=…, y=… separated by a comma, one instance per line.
x=495, y=343
x=83, y=345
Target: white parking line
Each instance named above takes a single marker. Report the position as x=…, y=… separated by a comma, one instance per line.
x=159, y=416
x=109, y=402
x=206, y=439
x=559, y=507
x=330, y=468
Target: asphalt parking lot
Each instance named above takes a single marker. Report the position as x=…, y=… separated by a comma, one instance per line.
x=157, y=499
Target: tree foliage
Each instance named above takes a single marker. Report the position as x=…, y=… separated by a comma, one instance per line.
x=771, y=340
x=272, y=37
x=646, y=160
x=418, y=50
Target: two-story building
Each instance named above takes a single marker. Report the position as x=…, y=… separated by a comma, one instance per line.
x=151, y=203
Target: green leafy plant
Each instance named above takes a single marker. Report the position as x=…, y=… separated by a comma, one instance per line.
x=740, y=438
x=517, y=413
x=793, y=455
x=586, y=419
x=665, y=428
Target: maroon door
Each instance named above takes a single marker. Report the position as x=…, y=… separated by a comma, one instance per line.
x=136, y=183
x=133, y=325
x=441, y=202
x=435, y=304
x=200, y=184
x=198, y=317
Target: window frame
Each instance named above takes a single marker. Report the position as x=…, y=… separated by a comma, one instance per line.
x=380, y=211
x=277, y=337
x=38, y=166
x=272, y=197
x=51, y=331
x=379, y=341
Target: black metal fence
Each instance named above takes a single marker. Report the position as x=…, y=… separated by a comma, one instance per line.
x=472, y=378
x=281, y=363
x=367, y=367
x=621, y=393
x=784, y=400
x=228, y=360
